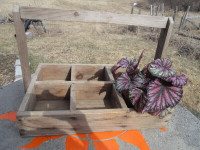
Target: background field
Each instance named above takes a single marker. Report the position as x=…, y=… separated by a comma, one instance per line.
x=100, y=43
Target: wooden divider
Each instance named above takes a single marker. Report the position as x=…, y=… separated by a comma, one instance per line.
x=72, y=98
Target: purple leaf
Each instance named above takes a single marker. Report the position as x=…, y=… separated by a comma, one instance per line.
x=180, y=80
x=161, y=96
x=177, y=80
x=162, y=113
x=134, y=95
x=141, y=55
x=138, y=80
x=125, y=62
x=140, y=104
x=124, y=82
x=160, y=68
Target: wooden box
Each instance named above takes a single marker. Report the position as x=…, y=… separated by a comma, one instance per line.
x=66, y=99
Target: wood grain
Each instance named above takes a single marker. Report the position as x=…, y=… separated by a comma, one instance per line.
x=56, y=72
x=29, y=98
x=163, y=41
x=52, y=90
x=72, y=98
x=116, y=99
x=108, y=74
x=22, y=47
x=88, y=72
x=92, y=91
x=85, y=121
x=94, y=104
x=92, y=16
x=47, y=105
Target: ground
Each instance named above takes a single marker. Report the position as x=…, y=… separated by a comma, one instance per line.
x=7, y=69
x=183, y=131
x=99, y=43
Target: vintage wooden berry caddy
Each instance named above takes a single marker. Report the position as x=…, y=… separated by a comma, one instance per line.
x=78, y=98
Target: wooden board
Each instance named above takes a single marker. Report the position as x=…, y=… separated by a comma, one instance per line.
x=88, y=72
x=163, y=41
x=92, y=16
x=85, y=121
x=47, y=105
x=22, y=47
x=52, y=90
x=54, y=107
x=56, y=72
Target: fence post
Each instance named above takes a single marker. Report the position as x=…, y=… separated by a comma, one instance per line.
x=175, y=13
x=163, y=9
x=158, y=9
x=132, y=9
x=153, y=14
x=138, y=28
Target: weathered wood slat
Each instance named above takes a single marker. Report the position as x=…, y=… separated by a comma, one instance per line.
x=117, y=100
x=22, y=47
x=52, y=90
x=47, y=105
x=91, y=91
x=85, y=121
x=56, y=72
x=72, y=98
x=29, y=98
x=108, y=74
x=93, y=104
x=88, y=73
x=163, y=41
x=92, y=16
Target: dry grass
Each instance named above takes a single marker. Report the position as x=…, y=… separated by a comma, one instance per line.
x=96, y=43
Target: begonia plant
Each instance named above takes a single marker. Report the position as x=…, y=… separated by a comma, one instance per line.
x=154, y=89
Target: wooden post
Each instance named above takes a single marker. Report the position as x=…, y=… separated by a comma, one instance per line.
x=138, y=28
x=154, y=10
x=164, y=39
x=158, y=9
x=151, y=13
x=22, y=47
x=175, y=13
x=132, y=9
x=132, y=28
x=72, y=98
x=163, y=9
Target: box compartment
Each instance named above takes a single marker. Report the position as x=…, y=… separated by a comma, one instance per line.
x=51, y=96
x=90, y=72
x=96, y=96
x=55, y=72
